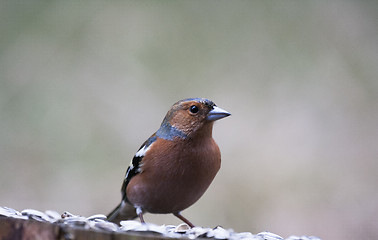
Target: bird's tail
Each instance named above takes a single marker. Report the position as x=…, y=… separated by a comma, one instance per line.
x=124, y=211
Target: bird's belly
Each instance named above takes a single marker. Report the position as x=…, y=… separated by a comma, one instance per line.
x=168, y=194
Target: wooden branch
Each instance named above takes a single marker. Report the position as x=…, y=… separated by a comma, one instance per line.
x=31, y=224
x=13, y=228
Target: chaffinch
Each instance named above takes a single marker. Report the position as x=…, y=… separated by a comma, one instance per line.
x=175, y=166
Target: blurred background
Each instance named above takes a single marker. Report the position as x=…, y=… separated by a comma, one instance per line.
x=84, y=83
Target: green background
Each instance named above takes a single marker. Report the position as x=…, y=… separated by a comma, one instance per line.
x=84, y=83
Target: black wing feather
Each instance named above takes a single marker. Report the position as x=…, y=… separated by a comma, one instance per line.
x=134, y=167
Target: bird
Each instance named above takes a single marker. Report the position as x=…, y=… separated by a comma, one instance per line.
x=174, y=167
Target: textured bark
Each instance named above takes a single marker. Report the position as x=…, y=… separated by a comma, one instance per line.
x=21, y=229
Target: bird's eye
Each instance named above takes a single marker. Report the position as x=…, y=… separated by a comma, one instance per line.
x=193, y=109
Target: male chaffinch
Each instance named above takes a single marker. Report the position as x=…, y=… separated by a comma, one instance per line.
x=175, y=166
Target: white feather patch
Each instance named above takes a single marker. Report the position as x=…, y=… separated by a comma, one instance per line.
x=142, y=151
x=138, y=210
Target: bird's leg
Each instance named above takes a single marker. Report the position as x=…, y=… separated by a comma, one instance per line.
x=139, y=212
x=182, y=218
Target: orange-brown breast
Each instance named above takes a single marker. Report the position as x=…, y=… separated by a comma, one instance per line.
x=174, y=179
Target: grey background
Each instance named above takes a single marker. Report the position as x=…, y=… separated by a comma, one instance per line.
x=84, y=83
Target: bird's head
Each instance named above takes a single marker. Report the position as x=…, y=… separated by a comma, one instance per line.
x=190, y=117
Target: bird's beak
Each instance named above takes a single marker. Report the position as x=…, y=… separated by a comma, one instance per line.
x=217, y=113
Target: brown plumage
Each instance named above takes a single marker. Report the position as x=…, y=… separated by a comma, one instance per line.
x=176, y=165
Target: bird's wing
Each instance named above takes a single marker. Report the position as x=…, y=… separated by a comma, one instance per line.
x=136, y=163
